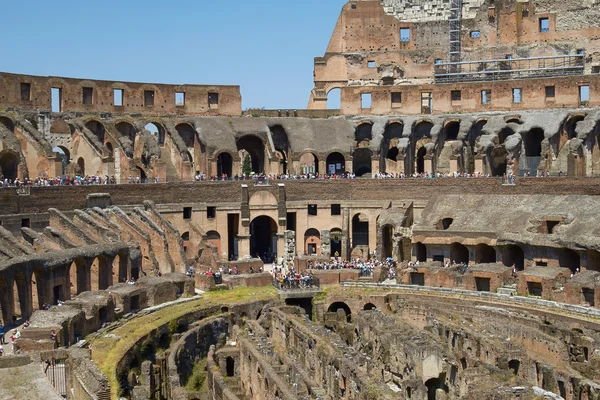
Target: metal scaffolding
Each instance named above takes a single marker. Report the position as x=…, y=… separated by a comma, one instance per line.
x=455, y=34
x=513, y=68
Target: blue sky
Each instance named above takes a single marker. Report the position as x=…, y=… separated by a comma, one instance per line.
x=266, y=46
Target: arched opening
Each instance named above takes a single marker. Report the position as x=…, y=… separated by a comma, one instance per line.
x=389, y=146
x=420, y=252
x=214, y=238
x=64, y=156
x=9, y=165
x=8, y=123
x=360, y=230
x=263, y=238
x=446, y=223
x=127, y=130
x=421, y=160
x=485, y=254
x=568, y=258
x=336, y=163
x=224, y=165
x=514, y=366
x=110, y=147
x=256, y=149
x=334, y=99
x=185, y=238
x=309, y=164
x=387, y=234
x=459, y=253
x=156, y=130
x=97, y=128
x=187, y=134
x=143, y=175
x=433, y=385
x=81, y=166
x=230, y=366
x=363, y=131
x=571, y=124
x=392, y=153
x=339, y=307
x=504, y=134
x=164, y=341
x=361, y=161
x=282, y=146
x=452, y=130
x=335, y=235
x=533, y=142
x=312, y=242
x=513, y=255
x=369, y=307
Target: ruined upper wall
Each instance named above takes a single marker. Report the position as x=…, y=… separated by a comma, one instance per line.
x=85, y=95
x=427, y=10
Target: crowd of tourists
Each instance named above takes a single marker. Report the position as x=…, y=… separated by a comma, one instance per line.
x=366, y=268
x=288, y=278
x=16, y=334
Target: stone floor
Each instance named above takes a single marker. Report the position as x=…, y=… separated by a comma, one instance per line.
x=26, y=383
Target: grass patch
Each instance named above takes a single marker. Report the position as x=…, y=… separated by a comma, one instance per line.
x=196, y=381
x=108, y=351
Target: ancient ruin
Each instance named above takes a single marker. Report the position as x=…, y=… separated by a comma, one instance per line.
x=435, y=238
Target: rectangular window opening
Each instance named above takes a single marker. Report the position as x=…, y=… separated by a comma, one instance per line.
x=588, y=296
x=405, y=35
x=211, y=212
x=26, y=223
x=148, y=98
x=584, y=93
x=482, y=284
x=541, y=263
x=336, y=209
x=550, y=92
x=213, y=100
x=417, y=278
x=25, y=91
x=438, y=61
x=455, y=95
x=371, y=64
x=291, y=221
x=596, y=69
x=180, y=99
x=118, y=97
x=534, y=289
x=517, y=95
x=187, y=212
x=56, y=95
x=475, y=34
x=312, y=209
x=396, y=99
x=486, y=96
x=88, y=95
x=365, y=100
x=544, y=25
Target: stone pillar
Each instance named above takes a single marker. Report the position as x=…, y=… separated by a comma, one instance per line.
x=345, y=234
x=428, y=165
x=84, y=279
x=124, y=271
x=453, y=166
x=325, y=243
x=289, y=246
x=7, y=304
x=374, y=166
x=323, y=167
x=479, y=167
x=243, y=246
x=105, y=268
x=280, y=244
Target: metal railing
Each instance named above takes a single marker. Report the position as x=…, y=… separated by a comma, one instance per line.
x=295, y=284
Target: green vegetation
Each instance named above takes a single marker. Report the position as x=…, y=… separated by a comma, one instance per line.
x=196, y=381
x=108, y=351
x=246, y=165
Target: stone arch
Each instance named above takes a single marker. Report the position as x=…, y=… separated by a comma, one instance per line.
x=263, y=236
x=369, y=307
x=214, y=238
x=364, y=131
x=513, y=255
x=334, y=98
x=389, y=145
x=8, y=123
x=9, y=164
x=451, y=130
x=360, y=230
x=187, y=133
x=513, y=366
x=224, y=164
x=340, y=305
x=126, y=129
x=361, y=161
x=568, y=258
x=281, y=145
x=312, y=242
x=81, y=166
x=97, y=128
x=533, y=142
x=309, y=162
x=156, y=129
x=255, y=147
x=335, y=161
x=474, y=134
x=571, y=124
x=498, y=160
x=485, y=254
x=433, y=385
x=504, y=134
x=420, y=160
x=459, y=253
x=335, y=235
x=420, y=252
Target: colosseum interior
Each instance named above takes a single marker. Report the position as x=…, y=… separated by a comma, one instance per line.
x=431, y=239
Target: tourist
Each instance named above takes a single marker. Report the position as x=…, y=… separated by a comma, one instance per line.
x=2, y=339
x=53, y=338
x=1, y=350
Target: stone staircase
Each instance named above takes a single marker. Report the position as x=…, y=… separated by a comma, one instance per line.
x=508, y=290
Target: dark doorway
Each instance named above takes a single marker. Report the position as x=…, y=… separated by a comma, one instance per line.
x=338, y=305
x=482, y=284
x=452, y=129
x=360, y=230
x=514, y=366
x=433, y=385
x=224, y=165
x=336, y=242
x=361, y=161
x=485, y=254
x=263, y=237
x=233, y=221
x=513, y=255
x=303, y=302
x=421, y=160
x=256, y=149
x=420, y=252
x=9, y=166
x=386, y=236
x=336, y=164
x=459, y=253
x=230, y=366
